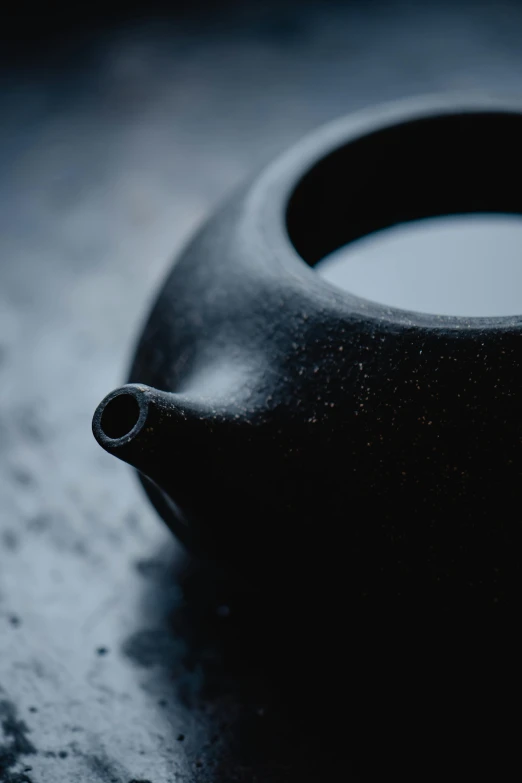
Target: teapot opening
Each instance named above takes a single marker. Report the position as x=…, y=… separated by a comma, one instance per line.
x=439, y=164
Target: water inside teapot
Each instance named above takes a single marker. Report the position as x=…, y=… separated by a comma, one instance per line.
x=463, y=265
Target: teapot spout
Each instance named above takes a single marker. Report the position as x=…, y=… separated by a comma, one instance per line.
x=139, y=425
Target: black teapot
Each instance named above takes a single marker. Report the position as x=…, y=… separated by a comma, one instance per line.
x=279, y=422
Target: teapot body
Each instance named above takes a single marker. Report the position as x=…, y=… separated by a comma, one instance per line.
x=301, y=426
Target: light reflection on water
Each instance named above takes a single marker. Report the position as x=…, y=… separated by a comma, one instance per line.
x=467, y=265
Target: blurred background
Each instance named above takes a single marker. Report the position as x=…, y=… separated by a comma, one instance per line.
x=121, y=127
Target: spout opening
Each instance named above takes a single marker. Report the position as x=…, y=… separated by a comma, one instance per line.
x=120, y=416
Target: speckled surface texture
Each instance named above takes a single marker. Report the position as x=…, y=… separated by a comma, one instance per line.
x=120, y=661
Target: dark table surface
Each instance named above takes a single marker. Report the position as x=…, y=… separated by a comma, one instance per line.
x=120, y=660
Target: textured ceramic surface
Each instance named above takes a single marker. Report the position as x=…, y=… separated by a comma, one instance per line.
x=318, y=421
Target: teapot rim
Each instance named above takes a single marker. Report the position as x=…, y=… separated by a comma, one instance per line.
x=269, y=197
